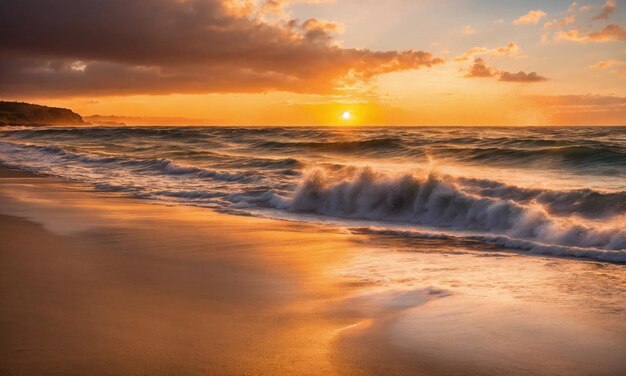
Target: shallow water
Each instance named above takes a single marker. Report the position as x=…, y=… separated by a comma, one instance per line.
x=558, y=191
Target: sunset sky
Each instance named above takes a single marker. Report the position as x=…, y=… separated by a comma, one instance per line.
x=306, y=62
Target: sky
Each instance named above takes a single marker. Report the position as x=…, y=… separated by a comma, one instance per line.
x=309, y=62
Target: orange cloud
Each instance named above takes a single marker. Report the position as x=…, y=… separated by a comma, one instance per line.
x=562, y=22
x=170, y=46
x=532, y=17
x=318, y=29
x=608, y=64
x=612, y=32
x=277, y=7
x=480, y=70
x=511, y=49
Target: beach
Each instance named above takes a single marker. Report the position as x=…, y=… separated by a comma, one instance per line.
x=100, y=283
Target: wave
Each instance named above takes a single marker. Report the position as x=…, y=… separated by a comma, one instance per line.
x=577, y=155
x=440, y=201
x=155, y=137
x=616, y=256
x=38, y=162
x=585, y=202
x=338, y=146
x=459, y=145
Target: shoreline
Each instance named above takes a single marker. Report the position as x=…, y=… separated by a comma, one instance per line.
x=361, y=228
x=100, y=284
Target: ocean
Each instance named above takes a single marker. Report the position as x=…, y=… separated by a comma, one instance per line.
x=539, y=190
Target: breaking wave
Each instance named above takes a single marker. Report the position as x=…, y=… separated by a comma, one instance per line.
x=585, y=202
x=444, y=202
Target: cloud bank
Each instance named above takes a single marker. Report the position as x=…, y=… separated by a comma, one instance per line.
x=77, y=47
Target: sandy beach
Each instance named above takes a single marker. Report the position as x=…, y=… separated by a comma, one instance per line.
x=95, y=283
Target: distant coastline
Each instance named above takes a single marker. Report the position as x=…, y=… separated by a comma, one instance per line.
x=144, y=120
x=20, y=113
x=13, y=113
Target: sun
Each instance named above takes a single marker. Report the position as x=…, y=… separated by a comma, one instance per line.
x=346, y=115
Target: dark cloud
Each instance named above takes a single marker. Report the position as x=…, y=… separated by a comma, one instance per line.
x=521, y=76
x=479, y=69
x=59, y=77
x=65, y=47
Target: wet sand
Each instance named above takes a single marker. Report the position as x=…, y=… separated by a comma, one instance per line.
x=94, y=283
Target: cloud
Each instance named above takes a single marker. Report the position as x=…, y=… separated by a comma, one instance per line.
x=521, y=76
x=511, y=49
x=616, y=66
x=479, y=69
x=607, y=64
x=608, y=8
x=612, y=32
x=532, y=17
x=567, y=17
x=75, y=47
x=560, y=23
x=277, y=7
x=609, y=33
x=319, y=29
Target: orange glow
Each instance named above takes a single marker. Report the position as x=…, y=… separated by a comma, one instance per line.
x=285, y=109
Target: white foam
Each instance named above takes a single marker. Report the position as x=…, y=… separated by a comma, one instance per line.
x=440, y=201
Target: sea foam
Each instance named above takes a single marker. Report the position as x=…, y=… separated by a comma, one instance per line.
x=443, y=201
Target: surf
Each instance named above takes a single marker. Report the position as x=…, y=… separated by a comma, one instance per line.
x=556, y=191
